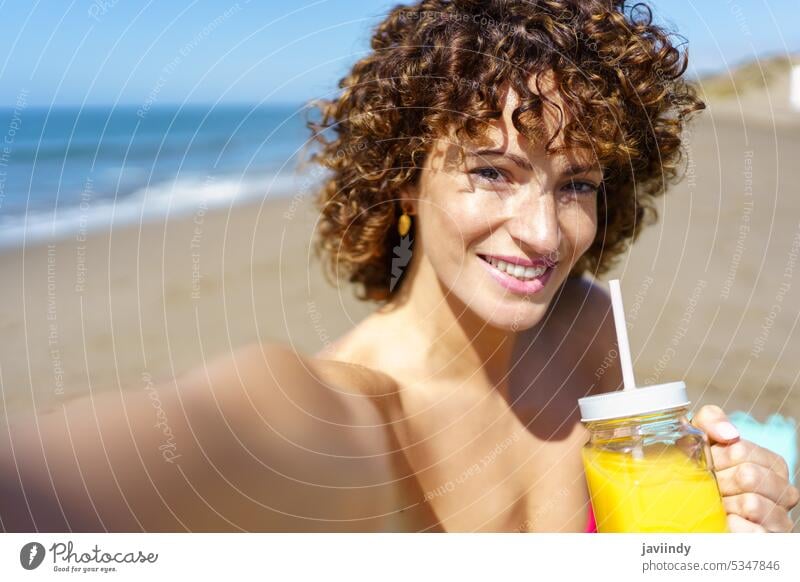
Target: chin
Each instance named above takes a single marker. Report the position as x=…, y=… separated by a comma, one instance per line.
x=510, y=315
x=500, y=306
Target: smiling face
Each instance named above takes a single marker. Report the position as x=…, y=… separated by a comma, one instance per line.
x=502, y=229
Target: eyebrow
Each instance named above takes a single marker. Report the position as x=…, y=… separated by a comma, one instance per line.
x=575, y=169
x=571, y=170
x=518, y=160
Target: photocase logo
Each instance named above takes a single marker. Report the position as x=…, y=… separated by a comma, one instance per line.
x=31, y=555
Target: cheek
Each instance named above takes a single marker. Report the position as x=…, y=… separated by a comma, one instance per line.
x=579, y=226
x=455, y=223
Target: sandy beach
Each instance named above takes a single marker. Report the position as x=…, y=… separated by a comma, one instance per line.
x=152, y=300
x=712, y=290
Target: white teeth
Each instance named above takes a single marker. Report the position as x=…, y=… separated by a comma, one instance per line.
x=518, y=271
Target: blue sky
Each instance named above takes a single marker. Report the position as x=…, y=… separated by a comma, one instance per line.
x=134, y=52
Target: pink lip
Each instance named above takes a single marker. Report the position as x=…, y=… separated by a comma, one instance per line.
x=515, y=285
x=544, y=261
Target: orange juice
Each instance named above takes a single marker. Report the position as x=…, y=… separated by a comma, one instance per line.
x=647, y=467
x=663, y=491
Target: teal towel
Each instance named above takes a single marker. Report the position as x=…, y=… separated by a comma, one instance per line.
x=777, y=434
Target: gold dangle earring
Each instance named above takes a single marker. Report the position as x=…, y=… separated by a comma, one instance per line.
x=402, y=252
x=404, y=224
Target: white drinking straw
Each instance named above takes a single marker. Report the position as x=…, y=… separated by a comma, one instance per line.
x=622, y=336
x=624, y=353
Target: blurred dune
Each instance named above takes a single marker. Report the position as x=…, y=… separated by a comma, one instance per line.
x=757, y=89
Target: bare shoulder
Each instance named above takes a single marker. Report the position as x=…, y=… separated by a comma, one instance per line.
x=259, y=363
x=583, y=307
x=274, y=375
x=591, y=304
x=580, y=310
x=586, y=300
x=576, y=341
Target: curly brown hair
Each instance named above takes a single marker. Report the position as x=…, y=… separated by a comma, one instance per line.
x=436, y=67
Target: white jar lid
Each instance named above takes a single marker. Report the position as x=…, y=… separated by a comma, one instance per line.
x=633, y=402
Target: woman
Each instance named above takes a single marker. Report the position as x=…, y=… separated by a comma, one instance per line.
x=484, y=157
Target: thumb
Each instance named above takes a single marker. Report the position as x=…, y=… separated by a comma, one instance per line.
x=713, y=421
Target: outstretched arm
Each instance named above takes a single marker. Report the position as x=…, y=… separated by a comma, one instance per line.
x=256, y=441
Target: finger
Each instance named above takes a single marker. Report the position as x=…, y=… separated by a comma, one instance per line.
x=713, y=421
x=754, y=478
x=760, y=510
x=738, y=524
x=744, y=451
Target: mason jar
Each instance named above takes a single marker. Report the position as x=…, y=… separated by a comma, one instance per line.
x=647, y=468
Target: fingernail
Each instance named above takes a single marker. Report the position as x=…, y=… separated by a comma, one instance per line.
x=726, y=430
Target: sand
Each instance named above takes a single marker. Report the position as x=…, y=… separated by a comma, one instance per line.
x=712, y=291
x=155, y=299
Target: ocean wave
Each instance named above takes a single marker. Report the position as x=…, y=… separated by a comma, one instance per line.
x=169, y=198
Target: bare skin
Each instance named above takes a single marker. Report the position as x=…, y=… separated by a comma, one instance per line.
x=486, y=460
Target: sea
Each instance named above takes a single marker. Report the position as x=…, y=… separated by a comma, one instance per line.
x=70, y=169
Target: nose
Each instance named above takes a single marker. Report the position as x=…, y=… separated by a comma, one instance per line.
x=535, y=225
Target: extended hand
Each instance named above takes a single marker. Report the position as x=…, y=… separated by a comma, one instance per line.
x=753, y=481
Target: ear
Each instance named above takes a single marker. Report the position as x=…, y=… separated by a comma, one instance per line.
x=408, y=199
